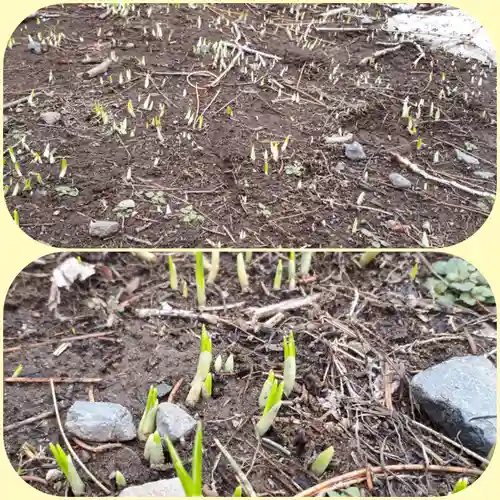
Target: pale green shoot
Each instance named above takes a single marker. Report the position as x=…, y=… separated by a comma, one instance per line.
x=218, y=364
x=64, y=167
x=120, y=479
x=266, y=389
x=148, y=420
x=248, y=257
x=200, y=281
x=206, y=389
x=305, y=264
x=203, y=368
x=366, y=258
x=278, y=275
x=153, y=451
x=229, y=364
x=16, y=217
x=292, y=277
x=238, y=492
x=242, y=273
x=322, y=461
x=214, y=266
x=17, y=371
x=460, y=485
x=68, y=469
x=174, y=284
x=290, y=368
x=273, y=405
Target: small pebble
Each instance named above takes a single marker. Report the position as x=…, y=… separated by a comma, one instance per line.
x=50, y=117
x=398, y=181
x=482, y=174
x=35, y=47
x=354, y=151
x=103, y=228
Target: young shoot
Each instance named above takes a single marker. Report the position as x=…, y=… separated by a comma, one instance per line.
x=322, y=461
x=229, y=364
x=185, y=291
x=174, y=284
x=130, y=107
x=238, y=492
x=17, y=371
x=292, y=278
x=366, y=258
x=218, y=364
x=273, y=405
x=242, y=273
x=203, y=368
x=266, y=389
x=206, y=388
x=200, y=281
x=214, y=266
x=16, y=217
x=120, y=479
x=192, y=484
x=305, y=264
x=147, y=424
x=248, y=257
x=290, y=368
x=278, y=275
x=68, y=469
x=153, y=451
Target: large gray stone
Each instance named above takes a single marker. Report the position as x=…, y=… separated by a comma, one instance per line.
x=101, y=422
x=399, y=181
x=174, y=421
x=459, y=396
x=164, y=488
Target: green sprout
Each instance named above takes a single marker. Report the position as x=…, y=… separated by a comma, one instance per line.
x=68, y=469
x=173, y=273
x=278, y=275
x=148, y=420
x=206, y=388
x=153, y=451
x=192, y=484
x=266, y=389
x=248, y=257
x=200, y=281
x=185, y=291
x=414, y=272
x=290, y=367
x=460, y=485
x=120, y=479
x=64, y=166
x=203, y=368
x=17, y=168
x=16, y=217
x=242, y=273
x=17, y=371
x=130, y=107
x=291, y=271
x=238, y=492
x=229, y=111
x=322, y=461
x=271, y=409
x=366, y=258
x=214, y=266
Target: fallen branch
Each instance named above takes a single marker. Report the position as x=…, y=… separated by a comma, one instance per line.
x=237, y=470
x=59, y=340
x=331, y=28
x=97, y=449
x=55, y=380
x=35, y=479
x=417, y=170
x=379, y=53
x=98, y=70
x=227, y=70
x=30, y=420
x=68, y=444
x=20, y=100
x=286, y=305
x=333, y=12
x=359, y=475
x=245, y=48
x=175, y=390
x=178, y=313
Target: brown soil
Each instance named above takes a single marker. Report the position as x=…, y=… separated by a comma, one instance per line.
x=236, y=204
x=336, y=352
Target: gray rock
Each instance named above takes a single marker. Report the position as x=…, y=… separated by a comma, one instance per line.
x=482, y=174
x=366, y=20
x=174, y=421
x=470, y=160
x=50, y=117
x=163, y=389
x=100, y=422
x=459, y=396
x=399, y=181
x=35, y=47
x=163, y=488
x=103, y=228
x=124, y=206
x=340, y=166
x=354, y=151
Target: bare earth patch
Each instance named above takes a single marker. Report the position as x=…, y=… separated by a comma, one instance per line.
x=365, y=335
x=298, y=80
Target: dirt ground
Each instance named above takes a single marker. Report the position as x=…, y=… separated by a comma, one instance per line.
x=197, y=187
x=367, y=324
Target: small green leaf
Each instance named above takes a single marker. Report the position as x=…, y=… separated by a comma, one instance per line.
x=467, y=298
x=462, y=286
